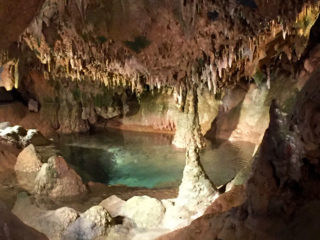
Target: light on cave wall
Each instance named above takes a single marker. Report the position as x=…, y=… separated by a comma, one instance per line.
x=9, y=75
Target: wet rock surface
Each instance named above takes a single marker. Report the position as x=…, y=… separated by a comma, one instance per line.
x=65, y=222
x=20, y=137
x=12, y=228
x=145, y=212
x=84, y=62
x=78, y=64
x=57, y=179
x=28, y=160
x=39, y=168
x=90, y=225
x=283, y=182
x=50, y=222
x=113, y=205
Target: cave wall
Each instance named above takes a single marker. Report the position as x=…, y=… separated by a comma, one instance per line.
x=87, y=61
x=282, y=199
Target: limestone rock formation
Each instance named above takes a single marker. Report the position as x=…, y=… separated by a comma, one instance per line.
x=39, y=168
x=20, y=137
x=28, y=160
x=282, y=190
x=189, y=129
x=57, y=179
x=113, y=205
x=50, y=222
x=7, y=79
x=28, y=164
x=195, y=186
x=79, y=64
x=91, y=224
x=110, y=47
x=146, y=212
x=63, y=223
x=196, y=191
x=11, y=228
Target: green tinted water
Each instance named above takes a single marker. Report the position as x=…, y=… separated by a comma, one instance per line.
x=146, y=160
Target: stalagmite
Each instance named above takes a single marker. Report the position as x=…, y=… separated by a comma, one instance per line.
x=196, y=192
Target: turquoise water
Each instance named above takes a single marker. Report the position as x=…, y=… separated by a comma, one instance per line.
x=146, y=160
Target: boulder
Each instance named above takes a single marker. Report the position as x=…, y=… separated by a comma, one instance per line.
x=93, y=223
x=113, y=205
x=145, y=211
x=56, y=179
x=28, y=160
x=50, y=222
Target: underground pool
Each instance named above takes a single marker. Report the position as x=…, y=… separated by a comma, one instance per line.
x=148, y=160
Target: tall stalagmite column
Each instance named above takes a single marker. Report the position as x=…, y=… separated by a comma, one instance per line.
x=196, y=192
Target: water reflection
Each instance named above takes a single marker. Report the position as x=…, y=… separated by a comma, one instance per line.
x=146, y=160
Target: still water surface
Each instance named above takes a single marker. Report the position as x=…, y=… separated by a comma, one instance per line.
x=146, y=160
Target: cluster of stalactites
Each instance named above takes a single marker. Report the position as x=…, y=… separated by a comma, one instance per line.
x=242, y=59
x=72, y=56
x=77, y=59
x=51, y=8
x=9, y=75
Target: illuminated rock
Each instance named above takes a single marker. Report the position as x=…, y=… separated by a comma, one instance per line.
x=28, y=160
x=56, y=179
x=146, y=212
x=91, y=224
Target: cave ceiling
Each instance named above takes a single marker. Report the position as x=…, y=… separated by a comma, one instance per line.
x=178, y=43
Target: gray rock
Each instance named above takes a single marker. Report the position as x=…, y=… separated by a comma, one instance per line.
x=113, y=205
x=145, y=211
x=93, y=223
x=12, y=228
x=50, y=222
x=56, y=179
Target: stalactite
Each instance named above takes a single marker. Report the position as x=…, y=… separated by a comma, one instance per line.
x=180, y=96
x=194, y=12
x=83, y=59
x=213, y=79
x=49, y=63
x=209, y=83
x=224, y=61
x=268, y=78
x=230, y=59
